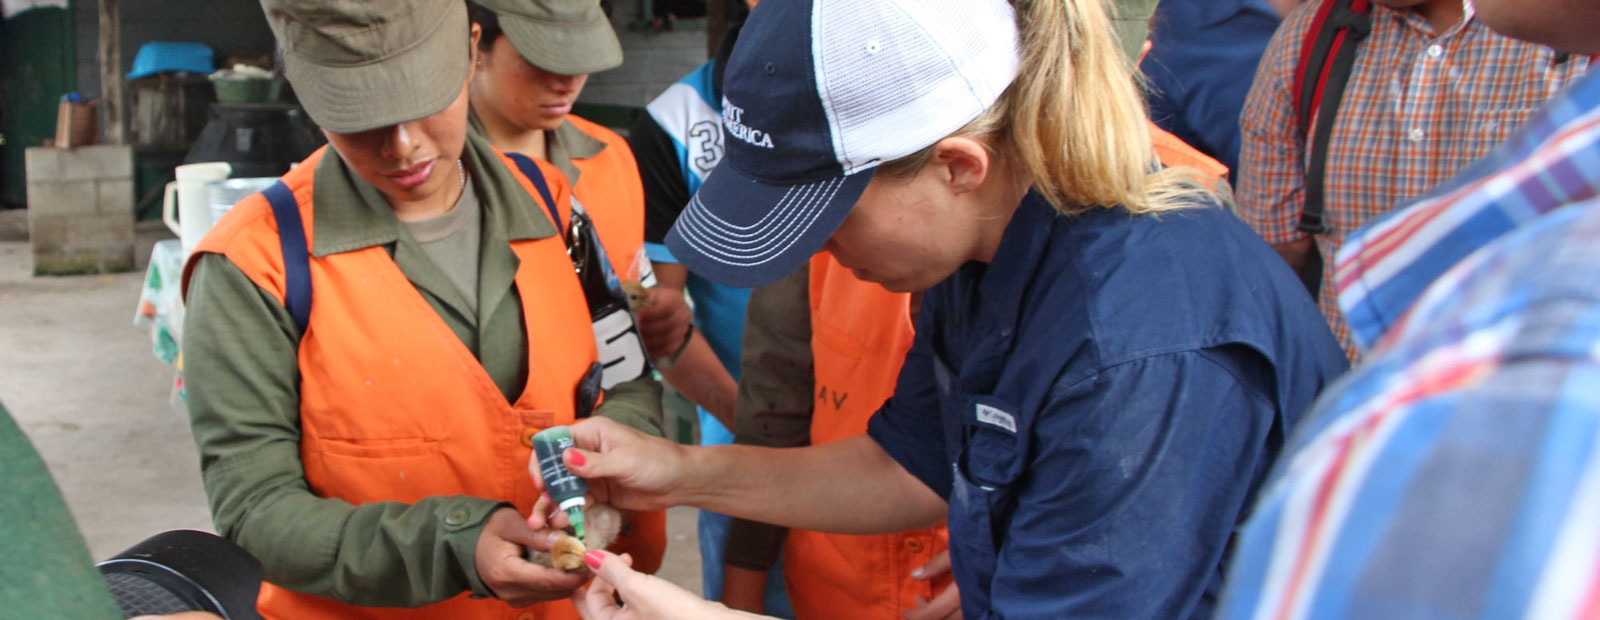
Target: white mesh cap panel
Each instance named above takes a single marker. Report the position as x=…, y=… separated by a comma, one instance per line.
x=898, y=75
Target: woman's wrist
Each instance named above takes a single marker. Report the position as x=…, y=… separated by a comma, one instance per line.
x=688, y=336
x=700, y=484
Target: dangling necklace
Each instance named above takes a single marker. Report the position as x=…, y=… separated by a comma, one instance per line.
x=461, y=182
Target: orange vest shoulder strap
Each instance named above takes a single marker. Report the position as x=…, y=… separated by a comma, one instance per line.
x=248, y=235
x=545, y=183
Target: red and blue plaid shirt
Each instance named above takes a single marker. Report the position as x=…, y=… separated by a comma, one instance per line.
x=1457, y=473
x=1418, y=108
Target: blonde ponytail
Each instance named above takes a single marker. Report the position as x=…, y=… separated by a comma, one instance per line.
x=1074, y=119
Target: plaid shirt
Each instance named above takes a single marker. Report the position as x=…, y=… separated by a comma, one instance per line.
x=1457, y=473
x=1417, y=109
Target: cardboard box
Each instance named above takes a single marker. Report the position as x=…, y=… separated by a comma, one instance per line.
x=75, y=125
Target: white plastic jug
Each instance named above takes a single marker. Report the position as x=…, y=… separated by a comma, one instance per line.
x=190, y=215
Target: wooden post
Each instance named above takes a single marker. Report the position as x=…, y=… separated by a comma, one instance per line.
x=110, y=56
x=716, y=25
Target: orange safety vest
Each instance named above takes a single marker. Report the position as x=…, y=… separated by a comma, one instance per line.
x=1173, y=151
x=393, y=407
x=610, y=190
x=612, y=194
x=859, y=337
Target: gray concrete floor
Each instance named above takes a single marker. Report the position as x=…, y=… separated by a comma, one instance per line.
x=82, y=382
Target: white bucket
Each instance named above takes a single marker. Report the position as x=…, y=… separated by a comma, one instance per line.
x=224, y=194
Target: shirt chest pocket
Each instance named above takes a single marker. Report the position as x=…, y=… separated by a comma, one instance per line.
x=1486, y=128
x=988, y=471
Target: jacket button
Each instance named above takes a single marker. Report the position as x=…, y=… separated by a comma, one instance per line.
x=456, y=517
x=527, y=436
x=913, y=545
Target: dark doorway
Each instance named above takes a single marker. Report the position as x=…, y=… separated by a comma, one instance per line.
x=35, y=70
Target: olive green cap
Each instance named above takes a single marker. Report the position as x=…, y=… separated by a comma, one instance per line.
x=363, y=64
x=1132, y=23
x=569, y=37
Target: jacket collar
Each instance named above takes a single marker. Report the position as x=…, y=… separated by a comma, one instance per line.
x=567, y=145
x=1022, y=247
x=564, y=146
x=996, y=294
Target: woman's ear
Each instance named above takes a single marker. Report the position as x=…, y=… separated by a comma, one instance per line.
x=475, y=57
x=964, y=163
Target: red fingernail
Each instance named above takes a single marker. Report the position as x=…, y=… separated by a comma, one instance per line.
x=576, y=457
x=593, y=559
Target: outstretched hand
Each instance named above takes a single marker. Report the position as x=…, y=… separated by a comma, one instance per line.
x=643, y=597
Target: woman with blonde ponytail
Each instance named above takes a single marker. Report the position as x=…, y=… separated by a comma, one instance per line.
x=1106, y=360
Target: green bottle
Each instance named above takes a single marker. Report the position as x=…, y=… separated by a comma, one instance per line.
x=564, y=488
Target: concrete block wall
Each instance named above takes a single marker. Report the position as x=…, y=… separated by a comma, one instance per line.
x=651, y=60
x=80, y=209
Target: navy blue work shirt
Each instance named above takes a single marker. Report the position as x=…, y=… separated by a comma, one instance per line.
x=1098, y=405
x=1202, y=59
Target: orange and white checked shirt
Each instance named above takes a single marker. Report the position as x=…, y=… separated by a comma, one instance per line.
x=1418, y=108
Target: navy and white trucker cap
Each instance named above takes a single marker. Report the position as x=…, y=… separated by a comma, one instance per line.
x=816, y=94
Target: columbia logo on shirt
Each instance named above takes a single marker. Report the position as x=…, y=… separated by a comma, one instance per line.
x=995, y=417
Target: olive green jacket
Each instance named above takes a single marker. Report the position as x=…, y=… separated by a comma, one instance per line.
x=242, y=379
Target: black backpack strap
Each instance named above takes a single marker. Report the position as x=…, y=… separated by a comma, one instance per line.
x=1326, y=60
x=1313, y=61
x=601, y=291
x=531, y=170
x=1347, y=25
x=296, y=256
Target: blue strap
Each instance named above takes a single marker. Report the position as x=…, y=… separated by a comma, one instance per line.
x=296, y=257
x=531, y=170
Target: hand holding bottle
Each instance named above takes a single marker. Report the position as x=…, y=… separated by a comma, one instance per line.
x=623, y=467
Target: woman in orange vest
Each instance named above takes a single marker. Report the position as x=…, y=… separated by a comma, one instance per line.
x=372, y=342
x=533, y=60
x=534, y=57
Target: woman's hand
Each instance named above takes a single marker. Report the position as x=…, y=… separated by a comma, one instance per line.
x=664, y=321
x=623, y=467
x=644, y=597
x=518, y=582
x=945, y=605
